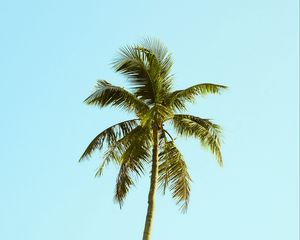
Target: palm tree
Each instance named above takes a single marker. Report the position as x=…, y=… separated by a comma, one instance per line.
x=134, y=143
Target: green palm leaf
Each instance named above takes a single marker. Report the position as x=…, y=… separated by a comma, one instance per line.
x=117, y=149
x=133, y=64
x=160, y=60
x=178, y=99
x=107, y=94
x=173, y=172
x=207, y=132
x=110, y=135
x=147, y=66
x=133, y=158
x=157, y=114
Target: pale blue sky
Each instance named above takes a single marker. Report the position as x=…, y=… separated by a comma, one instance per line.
x=52, y=53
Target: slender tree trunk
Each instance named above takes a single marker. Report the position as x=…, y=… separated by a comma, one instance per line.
x=153, y=183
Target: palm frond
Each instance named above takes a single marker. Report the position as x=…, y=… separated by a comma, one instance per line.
x=206, y=131
x=117, y=149
x=134, y=154
x=157, y=114
x=110, y=135
x=158, y=53
x=178, y=99
x=114, y=153
x=173, y=172
x=107, y=94
x=147, y=66
x=124, y=182
x=133, y=64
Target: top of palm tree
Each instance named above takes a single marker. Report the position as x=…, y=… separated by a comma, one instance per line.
x=147, y=67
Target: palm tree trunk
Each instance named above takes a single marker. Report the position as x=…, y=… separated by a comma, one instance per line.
x=153, y=183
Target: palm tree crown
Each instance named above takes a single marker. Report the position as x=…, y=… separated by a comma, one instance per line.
x=144, y=140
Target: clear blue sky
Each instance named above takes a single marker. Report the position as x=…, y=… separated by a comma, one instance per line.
x=52, y=53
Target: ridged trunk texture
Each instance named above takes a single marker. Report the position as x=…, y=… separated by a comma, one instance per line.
x=153, y=183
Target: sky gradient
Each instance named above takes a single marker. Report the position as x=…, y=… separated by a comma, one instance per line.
x=52, y=54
